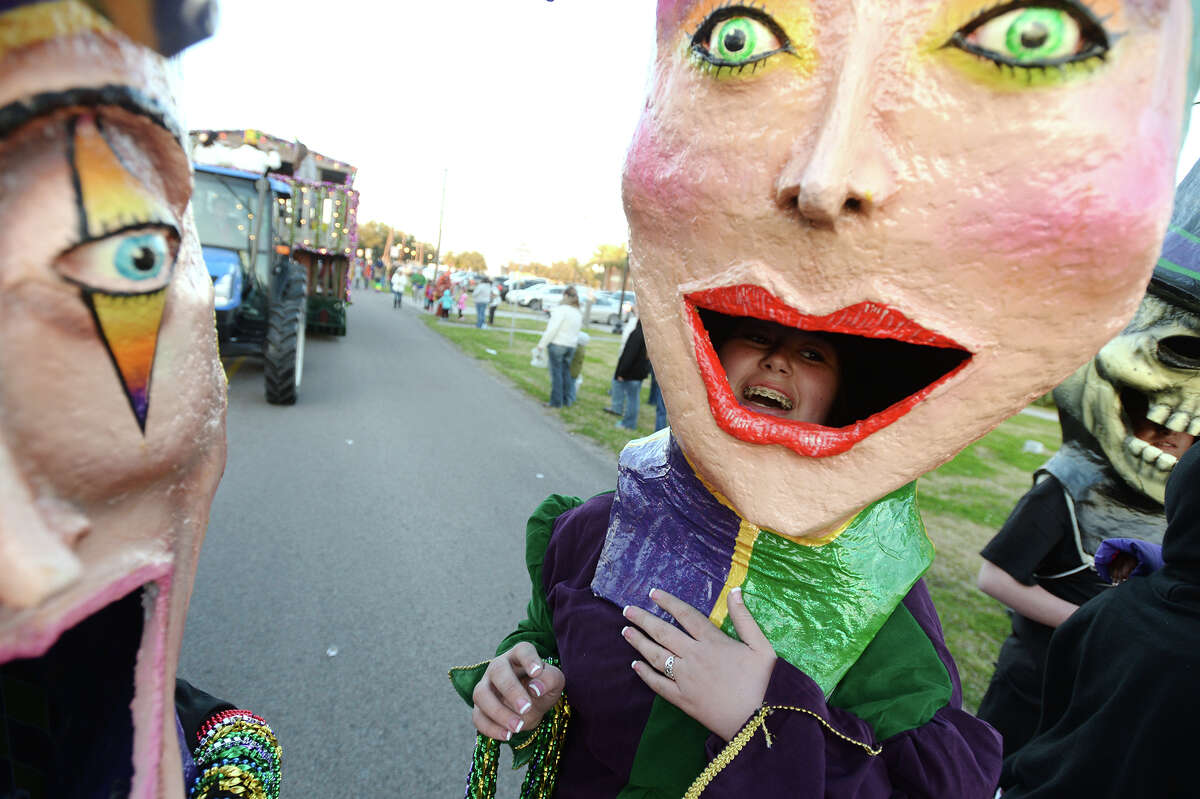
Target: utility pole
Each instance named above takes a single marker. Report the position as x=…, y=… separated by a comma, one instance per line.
x=437, y=256
x=624, y=282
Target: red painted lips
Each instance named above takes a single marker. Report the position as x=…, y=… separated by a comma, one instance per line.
x=866, y=320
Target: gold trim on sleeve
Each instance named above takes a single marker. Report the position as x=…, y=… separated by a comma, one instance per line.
x=735, y=747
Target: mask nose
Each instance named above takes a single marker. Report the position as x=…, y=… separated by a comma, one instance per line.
x=35, y=560
x=847, y=172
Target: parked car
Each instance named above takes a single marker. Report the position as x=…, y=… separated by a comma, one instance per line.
x=553, y=298
x=518, y=288
x=605, y=311
x=522, y=295
x=627, y=300
x=545, y=297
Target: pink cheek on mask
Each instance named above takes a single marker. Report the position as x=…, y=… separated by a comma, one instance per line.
x=1078, y=232
x=657, y=180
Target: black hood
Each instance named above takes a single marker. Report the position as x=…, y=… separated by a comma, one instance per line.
x=1181, y=542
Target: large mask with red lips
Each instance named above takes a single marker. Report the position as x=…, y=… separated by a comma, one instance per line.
x=111, y=399
x=970, y=195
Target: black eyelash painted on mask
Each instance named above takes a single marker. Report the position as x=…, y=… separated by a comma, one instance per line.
x=729, y=10
x=1091, y=28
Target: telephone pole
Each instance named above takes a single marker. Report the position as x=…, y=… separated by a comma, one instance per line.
x=437, y=253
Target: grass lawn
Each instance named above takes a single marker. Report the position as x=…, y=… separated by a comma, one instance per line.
x=964, y=502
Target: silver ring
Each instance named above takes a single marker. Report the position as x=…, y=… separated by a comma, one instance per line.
x=669, y=667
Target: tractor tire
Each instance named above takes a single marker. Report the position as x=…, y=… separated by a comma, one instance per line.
x=535, y=306
x=284, y=353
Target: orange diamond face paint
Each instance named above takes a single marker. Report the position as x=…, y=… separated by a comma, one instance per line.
x=967, y=197
x=129, y=325
x=124, y=262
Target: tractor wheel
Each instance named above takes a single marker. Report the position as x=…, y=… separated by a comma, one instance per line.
x=536, y=305
x=284, y=356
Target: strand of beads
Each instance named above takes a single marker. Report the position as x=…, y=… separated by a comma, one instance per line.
x=237, y=754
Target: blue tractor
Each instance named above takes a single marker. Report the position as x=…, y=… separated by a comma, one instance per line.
x=261, y=292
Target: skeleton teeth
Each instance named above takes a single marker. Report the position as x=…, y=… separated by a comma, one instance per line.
x=1166, y=462
x=1158, y=413
x=769, y=394
x=1151, y=453
x=1194, y=427
x=1135, y=445
x=1178, y=421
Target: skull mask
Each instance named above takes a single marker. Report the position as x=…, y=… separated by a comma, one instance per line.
x=1144, y=385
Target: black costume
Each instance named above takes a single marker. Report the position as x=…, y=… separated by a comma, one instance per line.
x=1120, y=694
x=1040, y=545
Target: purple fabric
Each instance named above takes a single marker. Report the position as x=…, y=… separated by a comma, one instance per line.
x=190, y=772
x=1149, y=556
x=684, y=548
x=954, y=755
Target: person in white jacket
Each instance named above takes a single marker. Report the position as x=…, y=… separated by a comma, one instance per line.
x=560, y=338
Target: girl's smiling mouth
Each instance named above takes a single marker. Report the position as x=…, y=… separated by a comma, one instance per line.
x=889, y=364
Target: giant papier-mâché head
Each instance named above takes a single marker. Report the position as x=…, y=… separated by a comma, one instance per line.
x=970, y=194
x=112, y=399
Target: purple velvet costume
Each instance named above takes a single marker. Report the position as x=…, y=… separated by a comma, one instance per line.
x=815, y=750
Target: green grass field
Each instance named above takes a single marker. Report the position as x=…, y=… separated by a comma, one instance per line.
x=964, y=502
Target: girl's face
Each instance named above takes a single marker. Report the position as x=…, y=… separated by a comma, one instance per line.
x=780, y=371
x=976, y=192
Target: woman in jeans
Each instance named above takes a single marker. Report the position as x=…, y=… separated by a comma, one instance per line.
x=560, y=338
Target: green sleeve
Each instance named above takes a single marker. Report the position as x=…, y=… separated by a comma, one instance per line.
x=538, y=626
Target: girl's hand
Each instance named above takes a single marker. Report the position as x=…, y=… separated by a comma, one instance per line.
x=717, y=681
x=516, y=691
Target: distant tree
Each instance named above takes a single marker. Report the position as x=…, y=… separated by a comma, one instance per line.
x=372, y=234
x=614, y=258
x=610, y=255
x=471, y=261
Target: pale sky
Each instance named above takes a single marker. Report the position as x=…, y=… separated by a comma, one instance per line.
x=529, y=105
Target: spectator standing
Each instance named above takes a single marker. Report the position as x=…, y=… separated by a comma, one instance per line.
x=577, y=366
x=399, y=282
x=656, y=399
x=494, y=303
x=481, y=296
x=1120, y=688
x=462, y=301
x=447, y=303
x=633, y=366
x=559, y=340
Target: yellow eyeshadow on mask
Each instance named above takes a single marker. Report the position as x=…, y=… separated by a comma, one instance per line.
x=956, y=15
x=1012, y=78
x=794, y=18
x=110, y=198
x=29, y=25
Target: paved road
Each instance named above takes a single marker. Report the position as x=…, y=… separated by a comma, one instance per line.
x=383, y=516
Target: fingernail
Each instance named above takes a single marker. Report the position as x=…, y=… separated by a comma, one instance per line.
x=624, y=632
x=524, y=709
x=652, y=593
x=736, y=593
x=508, y=735
x=537, y=689
x=520, y=724
x=534, y=669
x=625, y=611
x=633, y=665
